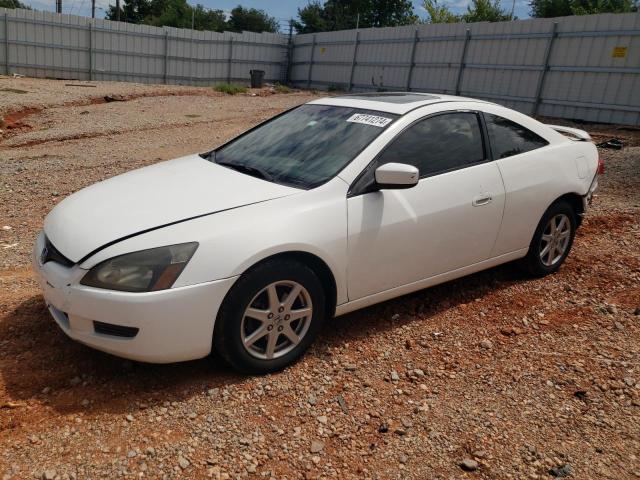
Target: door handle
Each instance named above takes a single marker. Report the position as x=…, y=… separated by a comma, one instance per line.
x=482, y=199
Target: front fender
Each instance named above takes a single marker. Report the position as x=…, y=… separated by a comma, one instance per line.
x=231, y=242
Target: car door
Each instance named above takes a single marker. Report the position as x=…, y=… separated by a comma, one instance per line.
x=449, y=220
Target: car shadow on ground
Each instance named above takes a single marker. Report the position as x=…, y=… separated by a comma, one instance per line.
x=41, y=365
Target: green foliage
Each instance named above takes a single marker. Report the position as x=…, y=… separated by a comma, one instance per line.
x=560, y=8
x=170, y=13
x=439, y=13
x=335, y=88
x=13, y=4
x=486, y=11
x=178, y=13
x=312, y=18
x=279, y=88
x=132, y=11
x=251, y=20
x=550, y=8
x=588, y=7
x=347, y=14
x=230, y=88
x=388, y=13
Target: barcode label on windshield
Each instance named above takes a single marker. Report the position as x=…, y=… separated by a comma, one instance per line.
x=366, y=119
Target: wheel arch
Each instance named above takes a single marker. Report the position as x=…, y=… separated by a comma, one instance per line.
x=575, y=200
x=315, y=263
x=577, y=203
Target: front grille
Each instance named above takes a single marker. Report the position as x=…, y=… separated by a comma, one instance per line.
x=115, y=330
x=51, y=254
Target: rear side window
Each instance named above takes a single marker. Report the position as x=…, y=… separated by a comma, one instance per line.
x=438, y=144
x=510, y=138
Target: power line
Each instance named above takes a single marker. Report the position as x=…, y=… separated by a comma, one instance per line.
x=81, y=6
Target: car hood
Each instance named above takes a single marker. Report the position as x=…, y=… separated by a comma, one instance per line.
x=149, y=198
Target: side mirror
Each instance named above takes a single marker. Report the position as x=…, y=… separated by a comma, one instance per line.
x=396, y=176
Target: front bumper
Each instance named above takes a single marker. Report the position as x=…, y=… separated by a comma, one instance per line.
x=172, y=325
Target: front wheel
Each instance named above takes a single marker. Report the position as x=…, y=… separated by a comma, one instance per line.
x=270, y=316
x=552, y=240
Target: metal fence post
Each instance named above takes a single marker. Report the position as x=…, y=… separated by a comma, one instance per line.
x=463, y=60
x=90, y=51
x=165, y=65
x=191, y=57
x=230, y=60
x=287, y=71
x=353, y=60
x=413, y=59
x=6, y=42
x=313, y=48
x=545, y=69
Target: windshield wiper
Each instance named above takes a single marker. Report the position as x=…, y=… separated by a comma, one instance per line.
x=249, y=170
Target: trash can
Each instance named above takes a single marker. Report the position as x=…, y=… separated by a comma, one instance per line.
x=257, y=77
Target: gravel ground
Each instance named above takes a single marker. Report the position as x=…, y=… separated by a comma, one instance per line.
x=492, y=376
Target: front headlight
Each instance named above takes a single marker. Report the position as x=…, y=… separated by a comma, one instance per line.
x=143, y=271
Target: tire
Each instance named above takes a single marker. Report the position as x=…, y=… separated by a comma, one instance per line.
x=270, y=316
x=538, y=263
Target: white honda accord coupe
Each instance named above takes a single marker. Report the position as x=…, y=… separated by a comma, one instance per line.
x=329, y=207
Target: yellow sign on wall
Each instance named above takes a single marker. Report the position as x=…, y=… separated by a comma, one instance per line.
x=619, y=52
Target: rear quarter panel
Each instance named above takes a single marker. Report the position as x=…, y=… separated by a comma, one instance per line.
x=534, y=180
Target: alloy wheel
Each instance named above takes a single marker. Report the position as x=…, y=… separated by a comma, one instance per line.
x=276, y=320
x=555, y=239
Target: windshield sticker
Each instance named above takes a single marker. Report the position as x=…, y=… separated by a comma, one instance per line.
x=366, y=119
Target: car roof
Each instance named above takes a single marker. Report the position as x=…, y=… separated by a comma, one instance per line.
x=391, y=102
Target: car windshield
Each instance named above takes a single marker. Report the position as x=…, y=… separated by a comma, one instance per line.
x=304, y=147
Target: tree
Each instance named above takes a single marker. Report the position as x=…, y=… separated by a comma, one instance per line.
x=13, y=4
x=486, y=11
x=388, y=13
x=560, y=8
x=550, y=8
x=132, y=11
x=312, y=18
x=588, y=7
x=206, y=19
x=178, y=13
x=251, y=20
x=439, y=13
x=347, y=14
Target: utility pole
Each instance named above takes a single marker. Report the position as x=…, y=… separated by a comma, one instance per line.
x=117, y=10
x=93, y=8
x=58, y=6
x=193, y=18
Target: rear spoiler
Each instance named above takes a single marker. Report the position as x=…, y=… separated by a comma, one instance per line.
x=573, y=133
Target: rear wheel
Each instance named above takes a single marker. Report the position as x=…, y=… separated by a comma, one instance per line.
x=552, y=240
x=270, y=317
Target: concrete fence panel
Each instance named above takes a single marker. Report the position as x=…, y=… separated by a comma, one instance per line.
x=580, y=67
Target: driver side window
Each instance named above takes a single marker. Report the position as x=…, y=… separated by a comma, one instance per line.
x=438, y=144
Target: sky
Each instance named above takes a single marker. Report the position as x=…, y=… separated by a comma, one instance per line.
x=281, y=9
